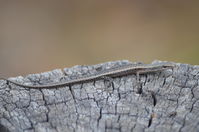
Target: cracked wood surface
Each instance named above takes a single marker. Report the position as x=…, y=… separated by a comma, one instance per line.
x=169, y=102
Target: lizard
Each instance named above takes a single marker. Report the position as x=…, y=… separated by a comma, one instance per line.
x=106, y=74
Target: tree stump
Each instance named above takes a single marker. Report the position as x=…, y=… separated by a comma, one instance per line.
x=169, y=102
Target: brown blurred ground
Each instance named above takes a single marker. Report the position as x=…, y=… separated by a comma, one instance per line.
x=37, y=36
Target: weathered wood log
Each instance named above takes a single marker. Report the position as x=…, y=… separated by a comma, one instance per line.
x=169, y=102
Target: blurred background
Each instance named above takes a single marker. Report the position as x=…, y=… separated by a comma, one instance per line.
x=42, y=35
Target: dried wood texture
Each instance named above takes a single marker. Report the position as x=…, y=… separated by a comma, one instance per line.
x=169, y=102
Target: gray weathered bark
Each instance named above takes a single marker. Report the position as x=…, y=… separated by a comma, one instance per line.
x=169, y=102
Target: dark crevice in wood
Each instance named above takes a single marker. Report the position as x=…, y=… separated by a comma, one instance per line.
x=3, y=128
x=150, y=120
x=154, y=98
x=72, y=93
x=172, y=114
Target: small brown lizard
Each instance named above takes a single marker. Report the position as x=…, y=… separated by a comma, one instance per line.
x=111, y=73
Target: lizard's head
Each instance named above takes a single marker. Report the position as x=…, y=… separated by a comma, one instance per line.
x=169, y=65
x=162, y=66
